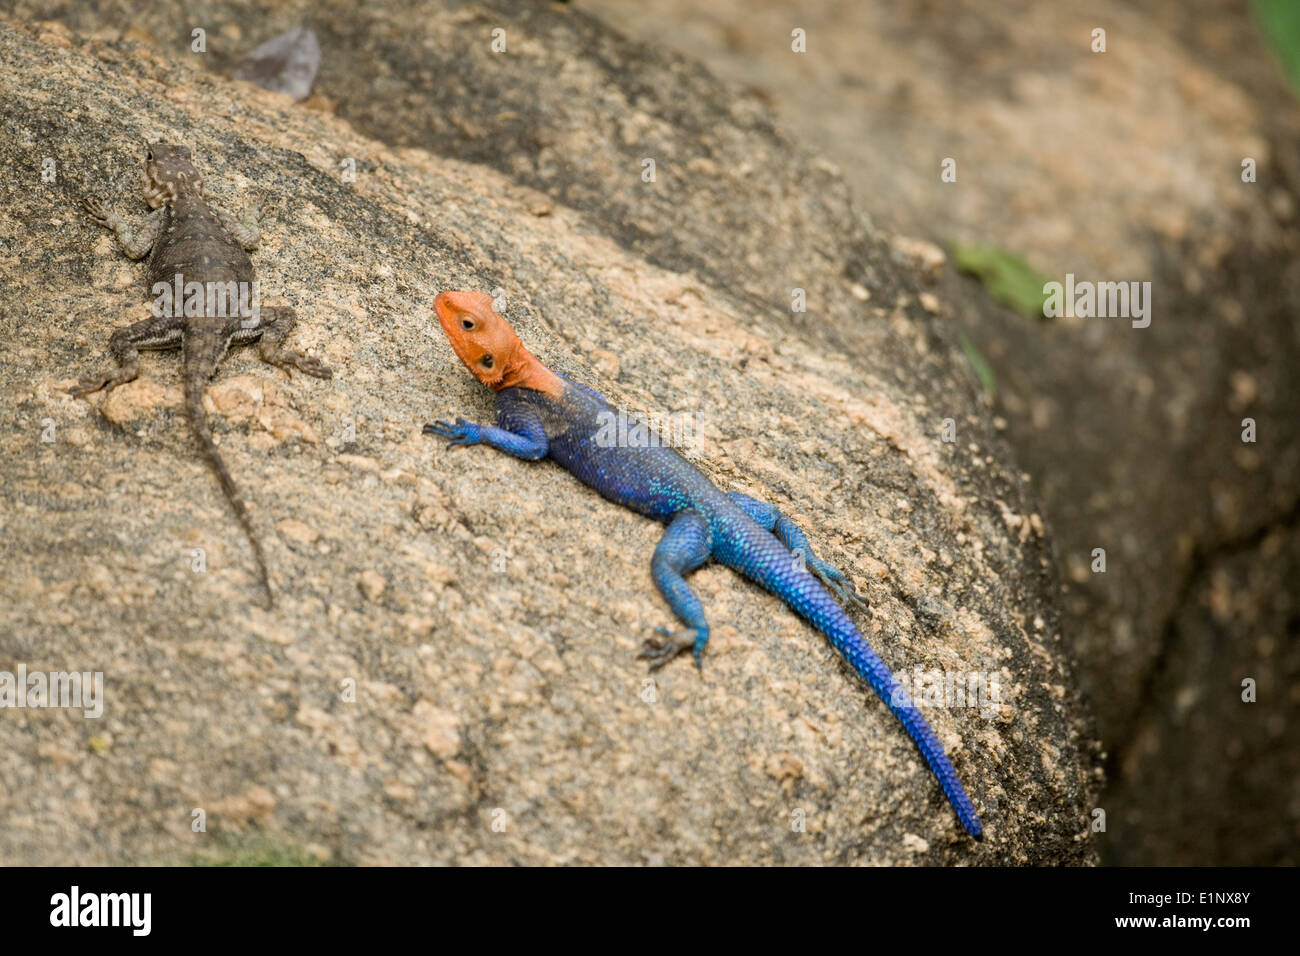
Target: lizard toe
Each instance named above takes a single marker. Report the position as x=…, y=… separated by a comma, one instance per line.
x=105, y=382
x=839, y=585
x=456, y=433
x=86, y=386
x=96, y=210
x=659, y=651
x=286, y=361
x=312, y=366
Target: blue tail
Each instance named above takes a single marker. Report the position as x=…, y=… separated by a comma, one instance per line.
x=742, y=544
x=873, y=670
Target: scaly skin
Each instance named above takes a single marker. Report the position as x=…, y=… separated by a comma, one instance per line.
x=201, y=244
x=540, y=414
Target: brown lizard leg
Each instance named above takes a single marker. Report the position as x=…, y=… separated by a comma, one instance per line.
x=125, y=345
x=135, y=244
x=276, y=322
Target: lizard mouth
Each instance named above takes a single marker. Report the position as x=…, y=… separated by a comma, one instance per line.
x=448, y=315
x=159, y=195
x=156, y=193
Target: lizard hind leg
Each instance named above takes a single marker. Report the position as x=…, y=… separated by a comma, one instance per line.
x=275, y=322
x=125, y=345
x=789, y=534
x=684, y=547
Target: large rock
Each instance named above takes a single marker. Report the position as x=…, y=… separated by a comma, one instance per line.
x=1119, y=165
x=488, y=610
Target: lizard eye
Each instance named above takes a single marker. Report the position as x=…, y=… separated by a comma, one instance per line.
x=150, y=156
x=467, y=324
x=486, y=361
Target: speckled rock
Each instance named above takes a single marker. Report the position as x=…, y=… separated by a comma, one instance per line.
x=449, y=675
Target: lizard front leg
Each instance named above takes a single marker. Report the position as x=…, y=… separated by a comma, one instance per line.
x=529, y=446
x=163, y=332
x=789, y=534
x=274, y=323
x=135, y=243
x=518, y=432
x=246, y=231
x=684, y=547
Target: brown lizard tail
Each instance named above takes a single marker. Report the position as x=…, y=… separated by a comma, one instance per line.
x=199, y=423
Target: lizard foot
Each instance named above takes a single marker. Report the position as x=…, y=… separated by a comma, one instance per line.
x=659, y=651
x=464, y=432
x=838, y=584
x=107, y=382
x=97, y=212
x=286, y=360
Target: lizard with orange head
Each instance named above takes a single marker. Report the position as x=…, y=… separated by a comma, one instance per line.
x=542, y=414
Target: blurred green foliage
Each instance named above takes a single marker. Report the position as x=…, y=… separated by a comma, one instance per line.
x=983, y=371
x=257, y=850
x=1008, y=278
x=1279, y=21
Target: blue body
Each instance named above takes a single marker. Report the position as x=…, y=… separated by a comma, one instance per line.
x=703, y=522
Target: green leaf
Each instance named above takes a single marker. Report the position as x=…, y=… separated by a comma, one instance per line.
x=257, y=851
x=1009, y=279
x=1279, y=21
x=983, y=371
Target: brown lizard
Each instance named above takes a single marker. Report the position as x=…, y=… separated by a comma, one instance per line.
x=194, y=242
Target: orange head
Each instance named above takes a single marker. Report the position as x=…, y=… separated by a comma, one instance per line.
x=488, y=345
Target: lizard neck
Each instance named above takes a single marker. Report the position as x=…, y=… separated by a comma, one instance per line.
x=525, y=370
x=187, y=203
